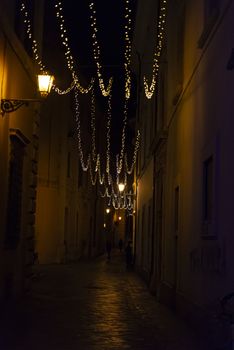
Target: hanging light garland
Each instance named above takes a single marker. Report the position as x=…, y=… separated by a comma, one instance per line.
x=93, y=156
x=123, y=201
x=93, y=178
x=129, y=169
x=149, y=90
x=93, y=127
x=127, y=53
x=119, y=158
x=77, y=118
x=96, y=53
x=118, y=200
x=68, y=54
x=33, y=41
x=74, y=83
x=108, y=133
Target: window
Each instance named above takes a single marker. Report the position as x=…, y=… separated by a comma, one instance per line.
x=208, y=190
x=211, y=13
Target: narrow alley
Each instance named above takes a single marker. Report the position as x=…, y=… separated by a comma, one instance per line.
x=92, y=305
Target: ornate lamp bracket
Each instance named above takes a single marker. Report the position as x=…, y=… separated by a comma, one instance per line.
x=11, y=105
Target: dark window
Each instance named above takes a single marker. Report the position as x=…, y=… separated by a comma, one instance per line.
x=208, y=190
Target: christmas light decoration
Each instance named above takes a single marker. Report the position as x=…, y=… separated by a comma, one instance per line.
x=149, y=91
x=68, y=54
x=108, y=133
x=93, y=127
x=130, y=169
x=33, y=41
x=119, y=199
x=119, y=158
x=84, y=165
x=96, y=53
x=127, y=53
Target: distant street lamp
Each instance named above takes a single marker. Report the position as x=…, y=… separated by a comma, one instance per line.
x=9, y=105
x=121, y=187
x=107, y=210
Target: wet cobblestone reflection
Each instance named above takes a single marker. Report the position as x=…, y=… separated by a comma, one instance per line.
x=92, y=306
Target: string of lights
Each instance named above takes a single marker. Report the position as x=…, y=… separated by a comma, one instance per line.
x=77, y=118
x=96, y=53
x=123, y=201
x=93, y=179
x=105, y=179
x=127, y=53
x=119, y=159
x=93, y=127
x=68, y=55
x=149, y=90
x=129, y=169
x=108, y=134
x=33, y=41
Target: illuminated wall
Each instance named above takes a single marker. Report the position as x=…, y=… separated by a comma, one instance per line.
x=18, y=160
x=192, y=222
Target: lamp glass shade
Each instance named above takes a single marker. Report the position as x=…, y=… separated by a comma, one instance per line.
x=121, y=187
x=45, y=82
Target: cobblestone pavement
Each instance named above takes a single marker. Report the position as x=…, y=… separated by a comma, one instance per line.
x=93, y=306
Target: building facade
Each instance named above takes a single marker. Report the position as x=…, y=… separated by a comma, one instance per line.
x=49, y=212
x=19, y=142
x=184, y=218
x=68, y=220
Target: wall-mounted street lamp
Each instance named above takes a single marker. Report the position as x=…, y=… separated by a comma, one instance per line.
x=107, y=210
x=45, y=82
